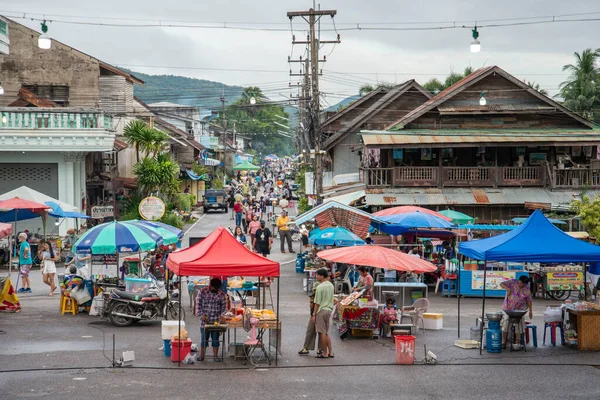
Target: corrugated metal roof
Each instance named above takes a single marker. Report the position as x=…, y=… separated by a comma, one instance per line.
x=436, y=138
x=466, y=196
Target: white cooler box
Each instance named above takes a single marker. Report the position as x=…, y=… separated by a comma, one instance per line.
x=433, y=321
x=170, y=328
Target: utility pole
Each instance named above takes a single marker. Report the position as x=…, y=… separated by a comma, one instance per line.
x=312, y=17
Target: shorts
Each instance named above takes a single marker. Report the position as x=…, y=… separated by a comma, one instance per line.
x=322, y=321
x=49, y=267
x=263, y=250
x=25, y=268
x=270, y=209
x=204, y=336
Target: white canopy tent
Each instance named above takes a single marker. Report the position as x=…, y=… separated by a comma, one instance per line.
x=27, y=193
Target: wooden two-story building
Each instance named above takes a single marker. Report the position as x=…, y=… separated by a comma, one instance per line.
x=486, y=146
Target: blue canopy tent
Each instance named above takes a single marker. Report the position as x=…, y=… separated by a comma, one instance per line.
x=537, y=240
x=401, y=223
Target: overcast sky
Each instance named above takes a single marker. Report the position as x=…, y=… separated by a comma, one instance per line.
x=534, y=52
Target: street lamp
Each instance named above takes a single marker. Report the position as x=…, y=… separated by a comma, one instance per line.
x=44, y=41
x=482, y=100
x=252, y=100
x=475, y=45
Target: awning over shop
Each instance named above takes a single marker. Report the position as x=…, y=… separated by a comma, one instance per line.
x=470, y=138
x=579, y=235
x=211, y=162
x=347, y=198
x=468, y=196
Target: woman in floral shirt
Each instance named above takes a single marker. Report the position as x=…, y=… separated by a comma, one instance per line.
x=518, y=297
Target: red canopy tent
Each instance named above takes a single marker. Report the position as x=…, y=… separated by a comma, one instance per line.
x=220, y=254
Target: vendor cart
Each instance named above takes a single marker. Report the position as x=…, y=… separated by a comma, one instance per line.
x=356, y=320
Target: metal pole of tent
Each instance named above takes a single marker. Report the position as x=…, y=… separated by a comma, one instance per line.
x=483, y=307
x=458, y=289
x=278, y=336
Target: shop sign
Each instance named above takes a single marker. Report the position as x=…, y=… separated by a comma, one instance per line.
x=102, y=211
x=103, y=259
x=493, y=279
x=152, y=208
x=564, y=280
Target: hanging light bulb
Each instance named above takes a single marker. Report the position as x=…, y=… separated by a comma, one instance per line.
x=1, y=89
x=475, y=45
x=3, y=118
x=482, y=100
x=252, y=99
x=44, y=41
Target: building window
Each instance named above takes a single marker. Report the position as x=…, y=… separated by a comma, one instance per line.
x=56, y=93
x=3, y=28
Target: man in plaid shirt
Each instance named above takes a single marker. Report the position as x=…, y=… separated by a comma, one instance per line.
x=211, y=304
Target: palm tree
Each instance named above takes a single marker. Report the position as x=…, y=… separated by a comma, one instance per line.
x=143, y=138
x=580, y=92
x=536, y=87
x=157, y=174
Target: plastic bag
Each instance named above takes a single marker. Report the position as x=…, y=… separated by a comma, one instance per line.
x=190, y=358
x=553, y=314
x=81, y=295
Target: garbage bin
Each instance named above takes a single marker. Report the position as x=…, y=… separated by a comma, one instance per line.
x=405, y=349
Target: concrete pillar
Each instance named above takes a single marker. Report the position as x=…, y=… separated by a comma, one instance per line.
x=76, y=183
x=82, y=183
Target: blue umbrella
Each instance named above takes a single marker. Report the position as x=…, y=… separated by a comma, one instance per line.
x=156, y=224
x=401, y=223
x=334, y=237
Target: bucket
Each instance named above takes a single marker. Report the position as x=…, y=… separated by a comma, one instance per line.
x=167, y=347
x=185, y=346
x=405, y=349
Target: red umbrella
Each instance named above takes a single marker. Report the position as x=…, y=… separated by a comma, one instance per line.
x=407, y=209
x=20, y=204
x=378, y=257
x=5, y=230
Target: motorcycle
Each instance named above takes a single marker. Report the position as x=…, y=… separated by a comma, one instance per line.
x=126, y=308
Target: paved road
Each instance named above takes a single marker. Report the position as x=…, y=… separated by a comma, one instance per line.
x=39, y=344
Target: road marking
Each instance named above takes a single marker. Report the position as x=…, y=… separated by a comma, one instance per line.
x=79, y=378
x=87, y=337
x=191, y=227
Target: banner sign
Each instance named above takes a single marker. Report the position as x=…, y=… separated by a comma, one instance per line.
x=152, y=208
x=564, y=280
x=102, y=211
x=493, y=281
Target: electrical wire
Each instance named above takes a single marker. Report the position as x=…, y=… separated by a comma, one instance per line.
x=92, y=325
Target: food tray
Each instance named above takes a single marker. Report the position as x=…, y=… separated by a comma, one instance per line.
x=467, y=344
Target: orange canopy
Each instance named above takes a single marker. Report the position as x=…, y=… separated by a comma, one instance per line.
x=378, y=257
x=220, y=254
x=407, y=209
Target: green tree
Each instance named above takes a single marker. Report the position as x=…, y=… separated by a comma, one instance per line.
x=368, y=88
x=143, y=138
x=259, y=122
x=435, y=86
x=589, y=212
x=158, y=173
x=581, y=91
x=536, y=87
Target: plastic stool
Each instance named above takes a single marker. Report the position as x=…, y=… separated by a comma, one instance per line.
x=533, y=334
x=68, y=304
x=553, y=326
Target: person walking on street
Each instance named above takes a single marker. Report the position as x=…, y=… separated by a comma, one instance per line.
x=284, y=232
x=239, y=212
x=253, y=226
x=25, y=263
x=48, y=259
x=322, y=311
x=263, y=240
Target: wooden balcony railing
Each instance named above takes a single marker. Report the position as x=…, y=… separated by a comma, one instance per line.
x=415, y=176
x=461, y=177
x=576, y=177
x=468, y=176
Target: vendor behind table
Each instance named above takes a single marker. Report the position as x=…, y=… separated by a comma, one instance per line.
x=365, y=282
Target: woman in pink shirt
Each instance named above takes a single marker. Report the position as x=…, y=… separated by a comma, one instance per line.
x=253, y=227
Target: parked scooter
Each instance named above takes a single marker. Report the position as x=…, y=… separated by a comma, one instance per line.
x=126, y=308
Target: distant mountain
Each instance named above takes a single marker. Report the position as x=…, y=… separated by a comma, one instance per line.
x=343, y=103
x=184, y=90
